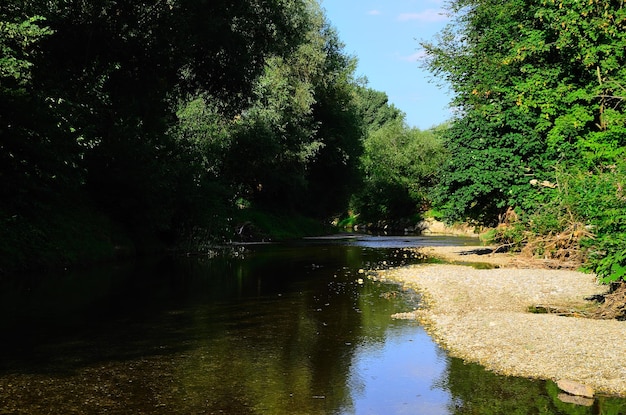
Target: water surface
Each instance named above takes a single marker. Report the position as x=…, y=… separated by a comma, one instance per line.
x=277, y=329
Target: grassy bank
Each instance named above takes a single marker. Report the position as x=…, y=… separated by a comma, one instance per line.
x=260, y=225
x=69, y=233
x=58, y=235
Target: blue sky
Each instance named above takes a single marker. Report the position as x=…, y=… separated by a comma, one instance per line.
x=384, y=35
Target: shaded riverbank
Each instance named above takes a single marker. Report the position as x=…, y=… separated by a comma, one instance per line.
x=481, y=315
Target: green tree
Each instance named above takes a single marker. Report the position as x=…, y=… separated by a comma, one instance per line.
x=132, y=106
x=334, y=173
x=275, y=138
x=538, y=90
x=399, y=166
x=299, y=137
x=376, y=109
x=126, y=66
x=496, y=146
x=110, y=77
x=31, y=160
x=18, y=40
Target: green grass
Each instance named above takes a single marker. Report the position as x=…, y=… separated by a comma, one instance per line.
x=282, y=226
x=348, y=222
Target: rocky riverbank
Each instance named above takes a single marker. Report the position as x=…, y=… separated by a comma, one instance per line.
x=482, y=315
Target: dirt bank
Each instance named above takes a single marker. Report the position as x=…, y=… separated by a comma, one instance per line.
x=481, y=315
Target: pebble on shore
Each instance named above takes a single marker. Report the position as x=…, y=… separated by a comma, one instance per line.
x=481, y=315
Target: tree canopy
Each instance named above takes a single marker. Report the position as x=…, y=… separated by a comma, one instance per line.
x=169, y=116
x=539, y=96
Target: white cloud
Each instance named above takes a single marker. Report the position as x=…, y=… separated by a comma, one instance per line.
x=428, y=15
x=415, y=57
x=374, y=12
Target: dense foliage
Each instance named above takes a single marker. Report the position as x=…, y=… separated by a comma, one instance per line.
x=398, y=164
x=128, y=127
x=161, y=120
x=540, y=125
x=397, y=167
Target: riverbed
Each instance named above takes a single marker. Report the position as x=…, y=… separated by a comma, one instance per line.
x=294, y=328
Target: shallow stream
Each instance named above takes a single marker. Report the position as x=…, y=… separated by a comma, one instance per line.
x=276, y=329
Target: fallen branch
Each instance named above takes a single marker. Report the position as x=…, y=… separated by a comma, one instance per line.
x=560, y=311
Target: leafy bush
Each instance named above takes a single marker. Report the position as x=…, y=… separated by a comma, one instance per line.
x=598, y=199
x=398, y=165
x=540, y=125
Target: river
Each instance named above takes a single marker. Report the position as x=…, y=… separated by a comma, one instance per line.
x=294, y=328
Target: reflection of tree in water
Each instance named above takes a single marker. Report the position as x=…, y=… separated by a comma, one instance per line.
x=293, y=355
x=274, y=332
x=475, y=390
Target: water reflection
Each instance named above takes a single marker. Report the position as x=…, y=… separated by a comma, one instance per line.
x=291, y=329
x=396, y=376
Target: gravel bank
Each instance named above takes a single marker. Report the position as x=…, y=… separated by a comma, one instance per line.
x=481, y=315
